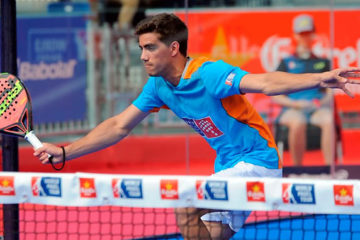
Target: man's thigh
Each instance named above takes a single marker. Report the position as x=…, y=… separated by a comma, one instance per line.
x=291, y=116
x=235, y=219
x=322, y=116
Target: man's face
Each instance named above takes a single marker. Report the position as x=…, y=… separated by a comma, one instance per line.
x=155, y=54
x=305, y=39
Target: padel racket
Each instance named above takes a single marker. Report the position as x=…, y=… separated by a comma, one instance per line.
x=16, y=112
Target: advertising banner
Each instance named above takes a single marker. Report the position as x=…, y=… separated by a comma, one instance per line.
x=156, y=191
x=256, y=41
x=52, y=64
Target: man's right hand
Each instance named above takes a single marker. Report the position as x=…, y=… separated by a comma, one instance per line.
x=47, y=150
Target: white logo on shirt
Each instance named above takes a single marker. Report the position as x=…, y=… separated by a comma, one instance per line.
x=229, y=80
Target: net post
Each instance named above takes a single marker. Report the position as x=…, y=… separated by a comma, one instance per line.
x=9, y=144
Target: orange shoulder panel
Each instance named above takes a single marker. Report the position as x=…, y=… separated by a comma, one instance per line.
x=194, y=65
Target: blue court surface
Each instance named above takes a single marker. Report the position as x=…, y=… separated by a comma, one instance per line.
x=310, y=227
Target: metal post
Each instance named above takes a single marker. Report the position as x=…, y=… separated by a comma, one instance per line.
x=9, y=144
x=187, y=140
x=92, y=79
x=332, y=44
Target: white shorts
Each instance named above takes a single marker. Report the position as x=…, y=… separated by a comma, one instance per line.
x=236, y=219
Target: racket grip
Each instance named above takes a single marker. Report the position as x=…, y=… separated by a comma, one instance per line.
x=33, y=140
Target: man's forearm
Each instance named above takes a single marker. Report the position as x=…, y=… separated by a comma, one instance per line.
x=276, y=83
x=105, y=134
x=284, y=83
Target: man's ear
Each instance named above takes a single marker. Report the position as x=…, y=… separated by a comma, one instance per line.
x=175, y=48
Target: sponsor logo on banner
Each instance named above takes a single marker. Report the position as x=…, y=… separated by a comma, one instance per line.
x=87, y=188
x=275, y=48
x=205, y=127
x=298, y=193
x=229, y=80
x=127, y=188
x=7, y=186
x=46, y=186
x=44, y=71
x=169, y=189
x=212, y=190
x=343, y=195
x=255, y=191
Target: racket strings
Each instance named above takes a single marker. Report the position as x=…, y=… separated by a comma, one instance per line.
x=9, y=97
x=13, y=106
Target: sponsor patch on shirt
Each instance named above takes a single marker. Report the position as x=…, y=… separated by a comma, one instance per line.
x=291, y=65
x=205, y=127
x=230, y=78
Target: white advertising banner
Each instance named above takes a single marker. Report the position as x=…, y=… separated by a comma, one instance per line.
x=83, y=189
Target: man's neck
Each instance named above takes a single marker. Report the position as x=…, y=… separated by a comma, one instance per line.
x=303, y=52
x=175, y=72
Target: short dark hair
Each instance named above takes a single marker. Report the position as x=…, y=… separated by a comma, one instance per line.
x=170, y=28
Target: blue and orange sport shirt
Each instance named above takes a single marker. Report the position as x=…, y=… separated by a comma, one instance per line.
x=208, y=98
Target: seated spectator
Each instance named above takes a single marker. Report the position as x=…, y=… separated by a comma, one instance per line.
x=312, y=106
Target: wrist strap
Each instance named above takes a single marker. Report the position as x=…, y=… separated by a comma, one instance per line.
x=63, y=161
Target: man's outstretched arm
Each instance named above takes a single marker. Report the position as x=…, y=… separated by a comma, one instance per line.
x=276, y=83
x=105, y=134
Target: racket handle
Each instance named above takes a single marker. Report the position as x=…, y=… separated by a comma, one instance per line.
x=33, y=140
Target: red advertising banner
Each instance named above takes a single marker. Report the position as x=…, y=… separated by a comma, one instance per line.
x=257, y=40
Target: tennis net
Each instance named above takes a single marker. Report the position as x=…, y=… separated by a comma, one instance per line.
x=105, y=206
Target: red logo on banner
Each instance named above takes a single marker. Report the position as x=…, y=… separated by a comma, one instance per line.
x=35, y=186
x=115, y=188
x=200, y=189
x=208, y=128
x=343, y=195
x=255, y=191
x=7, y=186
x=87, y=188
x=286, y=187
x=169, y=189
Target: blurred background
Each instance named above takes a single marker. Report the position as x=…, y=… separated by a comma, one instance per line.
x=81, y=64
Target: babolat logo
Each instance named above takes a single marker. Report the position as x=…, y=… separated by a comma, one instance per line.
x=298, y=193
x=46, y=186
x=43, y=71
x=127, y=188
x=212, y=190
